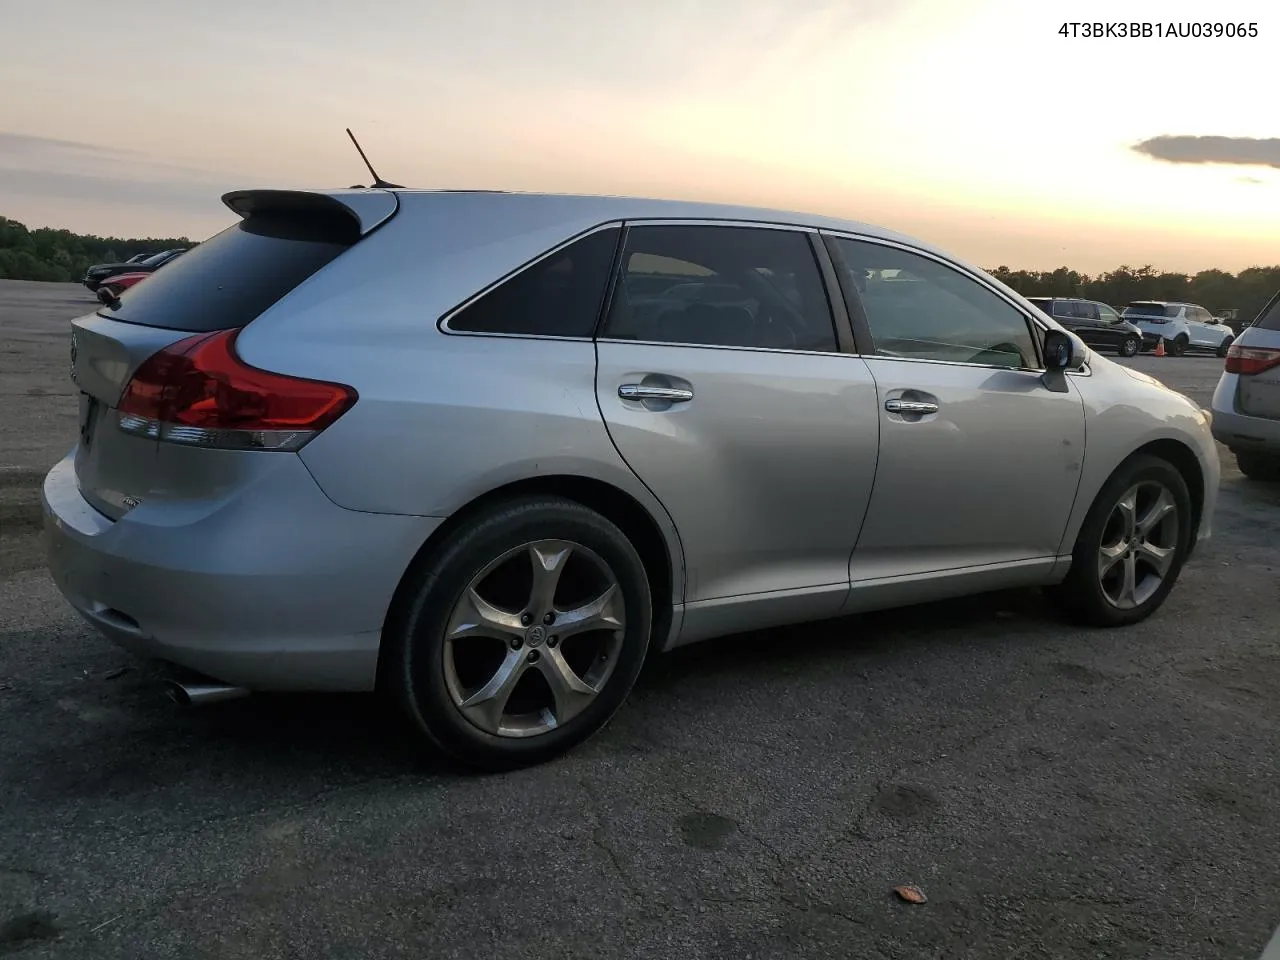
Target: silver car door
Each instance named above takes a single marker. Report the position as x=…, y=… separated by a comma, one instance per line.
x=979, y=461
x=723, y=387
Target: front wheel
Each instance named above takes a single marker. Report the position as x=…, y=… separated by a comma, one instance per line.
x=1130, y=346
x=1131, y=546
x=523, y=635
x=1225, y=345
x=1257, y=466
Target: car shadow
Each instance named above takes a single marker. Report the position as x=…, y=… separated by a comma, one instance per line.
x=122, y=740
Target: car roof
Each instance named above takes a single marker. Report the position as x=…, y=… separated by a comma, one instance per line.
x=537, y=216
x=613, y=207
x=586, y=210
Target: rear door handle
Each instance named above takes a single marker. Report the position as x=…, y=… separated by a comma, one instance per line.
x=645, y=391
x=910, y=406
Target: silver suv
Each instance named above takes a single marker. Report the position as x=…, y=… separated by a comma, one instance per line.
x=1246, y=404
x=486, y=451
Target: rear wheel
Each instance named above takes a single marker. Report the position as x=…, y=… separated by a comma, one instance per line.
x=1178, y=346
x=1258, y=466
x=1129, y=346
x=1131, y=546
x=1225, y=345
x=524, y=634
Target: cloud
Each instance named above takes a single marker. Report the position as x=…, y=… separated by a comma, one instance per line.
x=178, y=195
x=44, y=168
x=19, y=145
x=1241, y=151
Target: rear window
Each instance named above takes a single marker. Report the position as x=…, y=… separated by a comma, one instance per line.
x=1269, y=319
x=234, y=276
x=1150, y=310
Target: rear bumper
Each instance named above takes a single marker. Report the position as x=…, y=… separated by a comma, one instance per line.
x=1237, y=430
x=273, y=588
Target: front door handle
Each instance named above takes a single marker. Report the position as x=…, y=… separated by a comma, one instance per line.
x=910, y=406
x=646, y=391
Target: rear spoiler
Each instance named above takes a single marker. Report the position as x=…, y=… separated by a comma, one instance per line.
x=368, y=208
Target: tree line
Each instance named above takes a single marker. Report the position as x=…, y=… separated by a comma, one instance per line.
x=60, y=255
x=1246, y=292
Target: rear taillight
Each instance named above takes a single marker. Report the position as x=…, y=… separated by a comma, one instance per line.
x=198, y=392
x=1251, y=360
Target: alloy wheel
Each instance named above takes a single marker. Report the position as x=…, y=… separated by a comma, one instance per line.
x=534, y=638
x=1139, y=544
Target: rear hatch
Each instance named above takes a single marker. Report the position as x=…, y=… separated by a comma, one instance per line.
x=1255, y=356
x=165, y=353
x=1145, y=313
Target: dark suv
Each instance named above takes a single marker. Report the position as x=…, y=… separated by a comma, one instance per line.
x=94, y=276
x=1097, y=324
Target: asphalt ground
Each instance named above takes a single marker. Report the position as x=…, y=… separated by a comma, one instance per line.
x=1055, y=792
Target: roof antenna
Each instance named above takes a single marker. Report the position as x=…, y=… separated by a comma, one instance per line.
x=377, y=180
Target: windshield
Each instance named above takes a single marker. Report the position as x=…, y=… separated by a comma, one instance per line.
x=156, y=258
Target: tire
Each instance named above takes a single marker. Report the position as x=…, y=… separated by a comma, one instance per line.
x=1130, y=346
x=438, y=681
x=1257, y=466
x=1225, y=345
x=1088, y=597
x=1178, y=346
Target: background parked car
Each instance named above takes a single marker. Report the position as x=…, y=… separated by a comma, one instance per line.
x=111, y=288
x=1246, y=403
x=1184, y=326
x=99, y=272
x=1097, y=324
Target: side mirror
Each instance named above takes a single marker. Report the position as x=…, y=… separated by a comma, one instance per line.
x=1059, y=356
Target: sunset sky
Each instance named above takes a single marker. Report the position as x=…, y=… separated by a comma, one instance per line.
x=969, y=123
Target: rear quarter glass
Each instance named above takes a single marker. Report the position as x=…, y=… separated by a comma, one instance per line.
x=1269, y=319
x=234, y=276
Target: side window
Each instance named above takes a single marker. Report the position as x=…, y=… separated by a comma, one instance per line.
x=917, y=308
x=1062, y=308
x=557, y=296
x=723, y=286
x=1086, y=309
x=1269, y=318
x=1108, y=315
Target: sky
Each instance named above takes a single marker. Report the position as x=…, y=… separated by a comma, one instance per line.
x=971, y=124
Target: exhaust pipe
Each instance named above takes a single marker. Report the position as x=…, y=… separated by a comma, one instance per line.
x=200, y=694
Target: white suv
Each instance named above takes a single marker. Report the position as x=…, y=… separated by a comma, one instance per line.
x=1183, y=326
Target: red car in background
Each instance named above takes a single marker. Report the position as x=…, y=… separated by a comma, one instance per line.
x=112, y=287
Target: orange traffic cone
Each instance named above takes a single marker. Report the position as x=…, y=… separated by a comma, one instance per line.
x=1159, y=348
